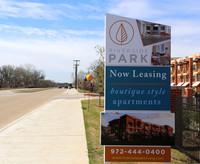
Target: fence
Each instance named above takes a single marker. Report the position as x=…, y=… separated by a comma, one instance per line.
x=187, y=126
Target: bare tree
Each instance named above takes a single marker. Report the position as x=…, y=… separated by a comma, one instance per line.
x=81, y=83
x=28, y=75
x=22, y=76
x=7, y=72
x=37, y=76
x=1, y=78
x=97, y=68
x=19, y=76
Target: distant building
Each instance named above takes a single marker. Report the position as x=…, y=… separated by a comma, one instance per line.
x=185, y=72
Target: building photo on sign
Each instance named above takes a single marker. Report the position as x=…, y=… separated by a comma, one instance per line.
x=137, y=128
x=132, y=42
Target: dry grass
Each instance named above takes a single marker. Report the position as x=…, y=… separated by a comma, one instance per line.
x=30, y=90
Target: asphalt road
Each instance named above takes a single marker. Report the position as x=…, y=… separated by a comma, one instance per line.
x=15, y=105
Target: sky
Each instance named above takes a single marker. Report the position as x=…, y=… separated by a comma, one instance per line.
x=50, y=34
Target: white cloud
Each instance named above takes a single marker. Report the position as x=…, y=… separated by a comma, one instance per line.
x=12, y=8
x=134, y=9
x=181, y=7
x=84, y=32
x=50, y=50
x=47, y=11
x=90, y=8
x=54, y=57
x=48, y=33
x=96, y=17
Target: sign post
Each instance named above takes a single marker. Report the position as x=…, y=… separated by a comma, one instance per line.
x=137, y=80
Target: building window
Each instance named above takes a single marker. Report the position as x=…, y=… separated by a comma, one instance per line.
x=172, y=69
x=187, y=68
x=181, y=78
x=193, y=77
x=123, y=125
x=173, y=79
x=193, y=90
x=198, y=77
x=148, y=28
x=130, y=124
x=160, y=48
x=193, y=66
x=162, y=27
x=198, y=66
x=187, y=78
x=155, y=28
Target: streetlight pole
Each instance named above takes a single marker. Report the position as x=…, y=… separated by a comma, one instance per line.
x=76, y=64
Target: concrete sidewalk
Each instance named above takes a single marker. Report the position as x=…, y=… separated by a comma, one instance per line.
x=51, y=134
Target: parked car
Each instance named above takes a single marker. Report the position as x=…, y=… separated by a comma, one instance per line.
x=60, y=86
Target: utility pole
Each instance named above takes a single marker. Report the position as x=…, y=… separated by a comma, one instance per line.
x=76, y=64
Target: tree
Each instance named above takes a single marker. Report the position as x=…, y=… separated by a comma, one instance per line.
x=81, y=83
x=47, y=83
x=22, y=76
x=18, y=77
x=28, y=75
x=7, y=73
x=1, y=78
x=98, y=69
x=37, y=76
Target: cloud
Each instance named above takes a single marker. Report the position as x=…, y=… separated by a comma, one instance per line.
x=88, y=7
x=55, y=57
x=134, y=9
x=50, y=50
x=181, y=8
x=48, y=33
x=47, y=11
x=96, y=17
x=84, y=32
x=150, y=9
x=16, y=9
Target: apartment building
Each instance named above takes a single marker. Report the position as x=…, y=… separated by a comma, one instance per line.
x=185, y=72
x=128, y=126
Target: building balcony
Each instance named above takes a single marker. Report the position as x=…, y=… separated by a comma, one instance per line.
x=186, y=73
x=139, y=127
x=131, y=127
x=180, y=73
x=196, y=70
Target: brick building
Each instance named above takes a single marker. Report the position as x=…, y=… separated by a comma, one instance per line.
x=128, y=126
x=185, y=72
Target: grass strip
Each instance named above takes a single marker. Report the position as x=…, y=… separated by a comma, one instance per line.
x=92, y=125
x=96, y=151
x=30, y=90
